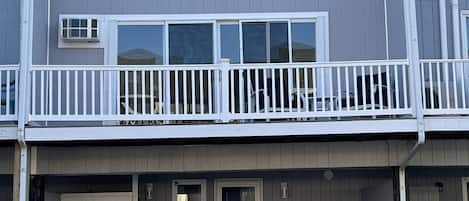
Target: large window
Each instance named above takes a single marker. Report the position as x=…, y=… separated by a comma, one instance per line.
x=268, y=42
x=140, y=45
x=191, y=43
x=238, y=190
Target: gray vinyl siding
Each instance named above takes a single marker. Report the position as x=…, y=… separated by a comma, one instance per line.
x=9, y=31
x=357, y=30
x=225, y=157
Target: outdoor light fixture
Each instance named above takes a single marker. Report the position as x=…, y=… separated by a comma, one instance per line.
x=284, y=190
x=440, y=186
x=328, y=175
x=148, y=191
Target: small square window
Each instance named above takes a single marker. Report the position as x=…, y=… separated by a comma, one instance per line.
x=74, y=33
x=94, y=23
x=65, y=33
x=84, y=23
x=94, y=33
x=83, y=33
x=75, y=22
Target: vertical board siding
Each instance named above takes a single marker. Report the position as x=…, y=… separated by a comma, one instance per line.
x=450, y=177
x=302, y=185
x=6, y=160
x=10, y=31
x=356, y=27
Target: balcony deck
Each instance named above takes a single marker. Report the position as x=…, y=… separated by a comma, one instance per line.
x=320, y=98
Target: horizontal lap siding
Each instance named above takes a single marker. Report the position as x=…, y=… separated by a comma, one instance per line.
x=356, y=27
x=9, y=31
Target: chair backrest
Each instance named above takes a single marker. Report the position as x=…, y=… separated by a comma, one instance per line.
x=270, y=89
x=372, y=88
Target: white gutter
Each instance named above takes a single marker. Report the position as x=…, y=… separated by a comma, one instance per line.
x=456, y=29
x=26, y=46
x=386, y=28
x=416, y=85
x=443, y=30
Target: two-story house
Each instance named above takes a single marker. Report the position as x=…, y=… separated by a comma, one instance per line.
x=247, y=100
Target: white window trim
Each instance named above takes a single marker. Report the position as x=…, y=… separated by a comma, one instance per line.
x=465, y=183
x=257, y=183
x=201, y=182
x=464, y=31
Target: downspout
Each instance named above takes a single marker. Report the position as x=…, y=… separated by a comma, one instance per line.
x=26, y=43
x=456, y=29
x=443, y=31
x=413, y=57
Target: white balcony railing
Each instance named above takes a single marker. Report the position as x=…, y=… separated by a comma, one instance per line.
x=8, y=92
x=445, y=86
x=220, y=92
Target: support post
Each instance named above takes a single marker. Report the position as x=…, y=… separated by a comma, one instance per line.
x=225, y=89
x=402, y=184
x=135, y=187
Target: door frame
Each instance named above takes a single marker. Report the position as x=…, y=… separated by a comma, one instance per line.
x=465, y=183
x=257, y=183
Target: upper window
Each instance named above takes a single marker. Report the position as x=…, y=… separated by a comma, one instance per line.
x=140, y=45
x=268, y=42
x=190, y=43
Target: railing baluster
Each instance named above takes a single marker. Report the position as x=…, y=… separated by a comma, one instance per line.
x=232, y=91
x=193, y=98
x=249, y=90
x=75, y=91
x=101, y=93
x=144, y=92
x=160, y=92
x=67, y=92
x=274, y=92
x=266, y=94
x=43, y=86
x=59, y=92
x=447, y=82
x=364, y=102
x=405, y=79
x=331, y=92
x=380, y=87
x=50, y=90
x=184, y=91
x=347, y=88
x=202, y=91
x=290, y=101
x=396, y=86
x=7, y=109
x=298, y=103
x=388, y=88
x=323, y=90
x=282, y=90
x=432, y=95
x=339, y=88
x=119, y=91
x=463, y=88
x=372, y=88
x=210, y=96
x=256, y=85
x=306, y=90
x=152, y=92
x=176, y=91
x=455, y=87
x=355, y=87
x=315, y=91
x=33, y=92
x=126, y=93
x=85, y=100
x=135, y=93
x=93, y=95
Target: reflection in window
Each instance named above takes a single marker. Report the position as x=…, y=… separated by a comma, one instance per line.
x=190, y=43
x=140, y=45
x=278, y=42
x=254, y=42
x=238, y=194
x=229, y=42
x=265, y=42
x=303, y=42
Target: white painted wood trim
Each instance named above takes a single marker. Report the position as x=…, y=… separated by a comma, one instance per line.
x=464, y=183
x=221, y=130
x=8, y=133
x=201, y=182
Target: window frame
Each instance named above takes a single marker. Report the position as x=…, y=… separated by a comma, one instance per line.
x=257, y=183
x=321, y=20
x=201, y=182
